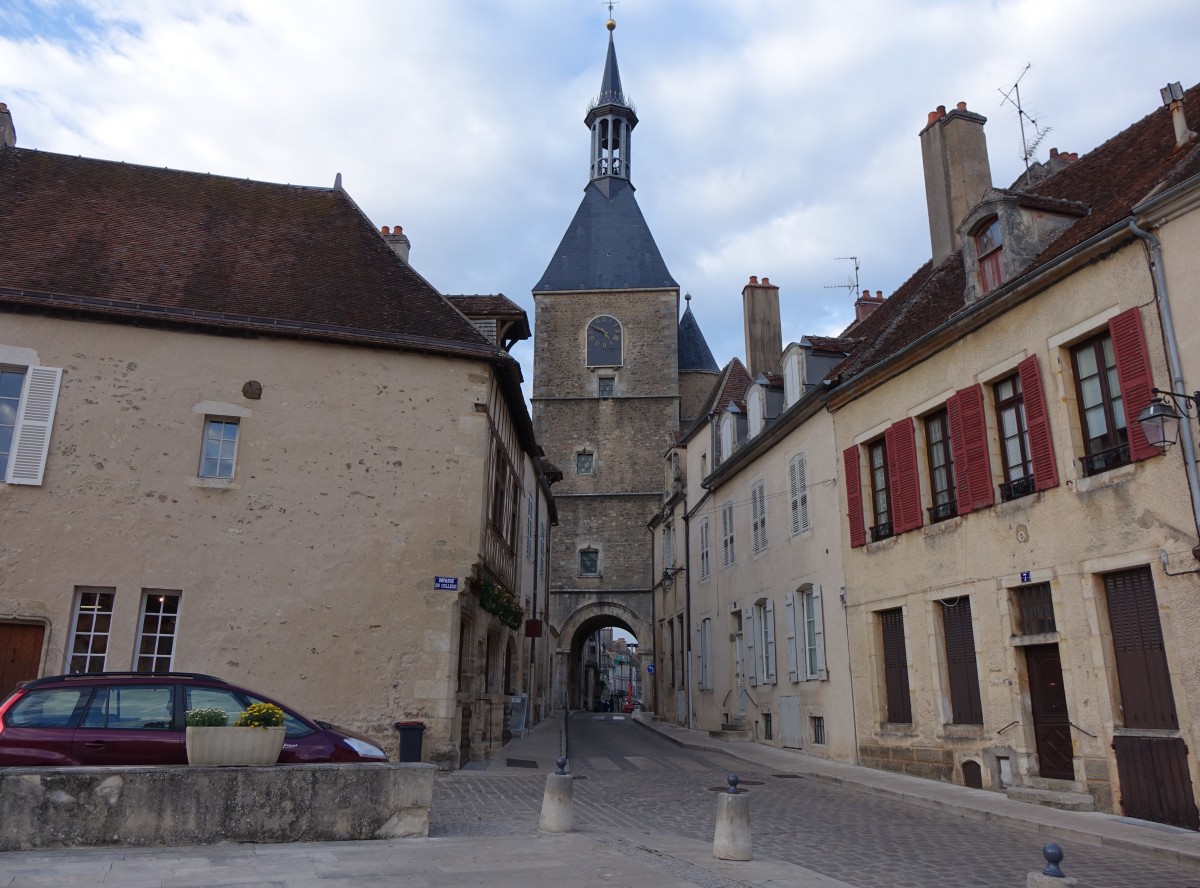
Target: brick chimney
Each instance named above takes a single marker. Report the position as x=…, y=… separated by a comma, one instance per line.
x=8, y=133
x=1172, y=96
x=398, y=241
x=867, y=304
x=957, y=173
x=764, y=332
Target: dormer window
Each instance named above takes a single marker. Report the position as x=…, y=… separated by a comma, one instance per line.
x=989, y=245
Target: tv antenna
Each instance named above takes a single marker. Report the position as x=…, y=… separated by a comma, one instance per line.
x=1013, y=97
x=851, y=285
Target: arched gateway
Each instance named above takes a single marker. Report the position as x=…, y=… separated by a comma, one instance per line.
x=570, y=689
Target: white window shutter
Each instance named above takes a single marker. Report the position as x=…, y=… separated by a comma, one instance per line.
x=35, y=419
x=789, y=625
x=704, y=548
x=802, y=487
x=748, y=635
x=819, y=621
x=769, y=637
x=794, y=493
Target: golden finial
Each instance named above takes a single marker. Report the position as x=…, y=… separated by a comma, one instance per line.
x=611, y=24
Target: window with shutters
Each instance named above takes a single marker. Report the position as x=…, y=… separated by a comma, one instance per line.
x=727, y=533
x=1147, y=700
x=895, y=666
x=805, y=634
x=705, y=655
x=1014, y=439
x=758, y=517
x=961, y=668
x=941, y=467
x=669, y=545
x=28, y=398
x=704, y=562
x=798, y=493
x=973, y=488
x=880, y=500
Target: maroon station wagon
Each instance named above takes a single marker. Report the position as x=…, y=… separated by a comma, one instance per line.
x=137, y=718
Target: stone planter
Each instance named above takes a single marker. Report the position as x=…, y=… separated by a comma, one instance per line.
x=234, y=746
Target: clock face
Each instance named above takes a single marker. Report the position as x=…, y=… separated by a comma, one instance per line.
x=604, y=342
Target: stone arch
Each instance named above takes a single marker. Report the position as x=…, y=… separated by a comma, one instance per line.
x=579, y=626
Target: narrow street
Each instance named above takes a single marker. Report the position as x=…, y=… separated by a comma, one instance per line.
x=631, y=783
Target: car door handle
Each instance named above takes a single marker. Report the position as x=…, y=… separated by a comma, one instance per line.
x=95, y=744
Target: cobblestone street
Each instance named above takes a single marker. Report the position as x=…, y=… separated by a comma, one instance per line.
x=631, y=783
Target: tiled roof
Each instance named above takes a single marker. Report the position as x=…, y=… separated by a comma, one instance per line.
x=835, y=344
x=730, y=388
x=130, y=241
x=491, y=305
x=1108, y=181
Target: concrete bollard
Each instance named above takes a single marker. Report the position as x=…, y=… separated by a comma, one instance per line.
x=731, y=839
x=1052, y=876
x=556, y=802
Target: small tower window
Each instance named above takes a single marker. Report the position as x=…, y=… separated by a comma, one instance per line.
x=989, y=245
x=606, y=386
x=589, y=562
x=584, y=463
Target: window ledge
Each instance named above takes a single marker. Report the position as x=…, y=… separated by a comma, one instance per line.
x=589, y=576
x=1119, y=475
x=215, y=483
x=955, y=731
x=942, y=526
x=1019, y=504
x=1040, y=638
x=880, y=545
x=897, y=729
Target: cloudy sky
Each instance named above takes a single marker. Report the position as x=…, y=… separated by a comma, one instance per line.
x=775, y=135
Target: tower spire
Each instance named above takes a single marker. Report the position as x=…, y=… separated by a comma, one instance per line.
x=611, y=118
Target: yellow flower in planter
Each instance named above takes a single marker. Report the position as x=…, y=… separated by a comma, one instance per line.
x=260, y=715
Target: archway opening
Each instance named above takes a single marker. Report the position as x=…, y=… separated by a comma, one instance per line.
x=606, y=672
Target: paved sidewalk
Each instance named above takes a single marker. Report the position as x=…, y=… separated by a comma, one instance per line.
x=1166, y=843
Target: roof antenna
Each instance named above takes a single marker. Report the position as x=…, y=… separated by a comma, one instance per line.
x=851, y=285
x=1013, y=97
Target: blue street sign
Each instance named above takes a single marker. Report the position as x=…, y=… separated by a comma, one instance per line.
x=650, y=668
x=450, y=584
x=1025, y=575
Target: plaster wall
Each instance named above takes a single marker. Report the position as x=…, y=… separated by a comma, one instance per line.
x=310, y=575
x=1067, y=536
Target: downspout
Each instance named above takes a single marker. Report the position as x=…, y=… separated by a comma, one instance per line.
x=687, y=613
x=537, y=542
x=1173, y=364
x=653, y=622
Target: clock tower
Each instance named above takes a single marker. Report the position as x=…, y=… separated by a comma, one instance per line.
x=605, y=393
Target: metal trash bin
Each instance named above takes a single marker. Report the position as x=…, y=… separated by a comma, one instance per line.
x=411, y=735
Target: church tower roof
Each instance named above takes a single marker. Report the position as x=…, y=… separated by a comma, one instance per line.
x=694, y=353
x=608, y=245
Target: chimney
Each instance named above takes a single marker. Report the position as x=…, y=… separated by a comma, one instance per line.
x=867, y=304
x=398, y=241
x=764, y=332
x=8, y=133
x=1172, y=96
x=957, y=174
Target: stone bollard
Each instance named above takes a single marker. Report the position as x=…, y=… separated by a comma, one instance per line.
x=1052, y=876
x=731, y=839
x=556, y=802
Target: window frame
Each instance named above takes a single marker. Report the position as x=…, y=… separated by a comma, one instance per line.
x=880, y=486
x=104, y=595
x=595, y=553
x=943, y=497
x=33, y=424
x=962, y=664
x=606, y=386
x=22, y=374
x=591, y=461
x=988, y=240
x=894, y=645
x=144, y=616
x=1023, y=484
x=210, y=421
x=1113, y=448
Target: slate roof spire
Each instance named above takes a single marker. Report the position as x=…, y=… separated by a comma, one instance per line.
x=610, y=83
x=694, y=353
x=611, y=119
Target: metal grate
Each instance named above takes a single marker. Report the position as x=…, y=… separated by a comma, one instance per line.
x=818, y=729
x=1035, y=609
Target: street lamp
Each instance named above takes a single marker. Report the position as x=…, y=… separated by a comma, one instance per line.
x=1160, y=419
x=669, y=574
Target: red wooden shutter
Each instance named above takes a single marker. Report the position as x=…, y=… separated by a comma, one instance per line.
x=1133, y=372
x=905, y=490
x=1037, y=421
x=854, y=502
x=968, y=438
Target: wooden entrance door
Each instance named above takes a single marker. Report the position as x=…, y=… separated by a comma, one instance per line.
x=1051, y=720
x=20, y=653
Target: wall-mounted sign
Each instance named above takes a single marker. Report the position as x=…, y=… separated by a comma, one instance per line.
x=1025, y=576
x=450, y=584
x=650, y=668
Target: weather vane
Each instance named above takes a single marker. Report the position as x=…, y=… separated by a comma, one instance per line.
x=610, y=4
x=1013, y=97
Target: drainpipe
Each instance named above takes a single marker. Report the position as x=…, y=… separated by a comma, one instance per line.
x=653, y=622
x=1173, y=365
x=687, y=614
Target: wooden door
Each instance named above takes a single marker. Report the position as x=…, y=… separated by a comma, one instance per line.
x=1051, y=720
x=20, y=654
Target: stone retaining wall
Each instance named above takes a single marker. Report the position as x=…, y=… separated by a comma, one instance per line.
x=167, y=805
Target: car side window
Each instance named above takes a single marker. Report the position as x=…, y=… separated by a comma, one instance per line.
x=49, y=708
x=131, y=708
x=295, y=727
x=214, y=698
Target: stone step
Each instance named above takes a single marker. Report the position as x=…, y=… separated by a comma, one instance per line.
x=732, y=734
x=1064, y=801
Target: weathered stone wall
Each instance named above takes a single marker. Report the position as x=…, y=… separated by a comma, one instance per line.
x=81, y=807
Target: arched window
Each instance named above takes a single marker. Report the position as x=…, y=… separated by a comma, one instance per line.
x=989, y=246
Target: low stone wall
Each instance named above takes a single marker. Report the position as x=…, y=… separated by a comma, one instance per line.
x=167, y=805
x=931, y=763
